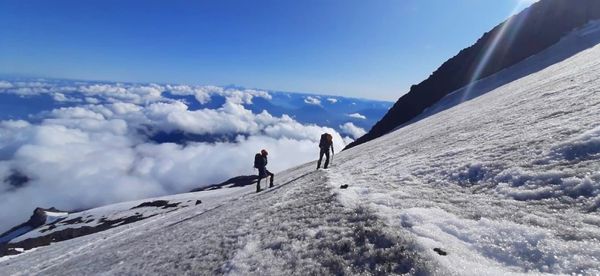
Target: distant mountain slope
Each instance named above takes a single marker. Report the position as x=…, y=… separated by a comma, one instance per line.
x=47, y=226
x=526, y=34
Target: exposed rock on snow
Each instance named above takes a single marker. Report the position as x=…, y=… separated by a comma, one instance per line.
x=164, y=204
x=40, y=217
x=47, y=226
x=440, y=251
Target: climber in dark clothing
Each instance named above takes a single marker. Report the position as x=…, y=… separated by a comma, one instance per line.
x=260, y=162
x=325, y=144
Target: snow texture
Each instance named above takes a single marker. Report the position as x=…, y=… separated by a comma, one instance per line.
x=298, y=226
x=508, y=182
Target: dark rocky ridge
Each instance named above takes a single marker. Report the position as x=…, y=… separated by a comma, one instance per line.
x=37, y=219
x=527, y=33
x=67, y=234
x=76, y=227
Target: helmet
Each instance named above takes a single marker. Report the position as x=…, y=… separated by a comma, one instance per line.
x=264, y=152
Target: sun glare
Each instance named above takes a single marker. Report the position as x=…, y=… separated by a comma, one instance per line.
x=506, y=33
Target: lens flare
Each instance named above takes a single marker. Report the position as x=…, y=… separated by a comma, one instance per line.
x=506, y=35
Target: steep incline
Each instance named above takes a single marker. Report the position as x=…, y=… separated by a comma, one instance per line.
x=508, y=182
x=526, y=34
x=298, y=227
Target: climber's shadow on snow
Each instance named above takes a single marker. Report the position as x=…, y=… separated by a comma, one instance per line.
x=238, y=181
x=279, y=186
x=245, y=180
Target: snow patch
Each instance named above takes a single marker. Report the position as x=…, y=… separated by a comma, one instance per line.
x=479, y=246
x=522, y=184
x=54, y=216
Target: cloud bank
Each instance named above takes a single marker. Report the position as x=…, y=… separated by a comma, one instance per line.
x=352, y=130
x=99, y=149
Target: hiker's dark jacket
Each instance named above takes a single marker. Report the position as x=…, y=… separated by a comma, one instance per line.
x=263, y=162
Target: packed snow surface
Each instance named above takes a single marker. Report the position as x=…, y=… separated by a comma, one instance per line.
x=298, y=226
x=505, y=183
x=121, y=211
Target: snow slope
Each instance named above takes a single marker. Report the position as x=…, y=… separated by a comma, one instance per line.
x=298, y=226
x=506, y=183
x=579, y=40
x=121, y=213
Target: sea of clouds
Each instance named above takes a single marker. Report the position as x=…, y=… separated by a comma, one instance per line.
x=96, y=146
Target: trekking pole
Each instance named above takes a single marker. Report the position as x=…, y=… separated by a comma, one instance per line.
x=332, y=155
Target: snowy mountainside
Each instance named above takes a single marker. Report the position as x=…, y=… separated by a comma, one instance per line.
x=40, y=217
x=521, y=36
x=505, y=183
x=481, y=182
x=297, y=227
x=508, y=182
x=573, y=43
x=50, y=225
x=72, y=225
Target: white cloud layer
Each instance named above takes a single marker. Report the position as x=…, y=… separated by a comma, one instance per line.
x=98, y=151
x=351, y=129
x=5, y=85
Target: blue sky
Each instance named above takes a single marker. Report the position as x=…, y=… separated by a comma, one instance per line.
x=371, y=49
